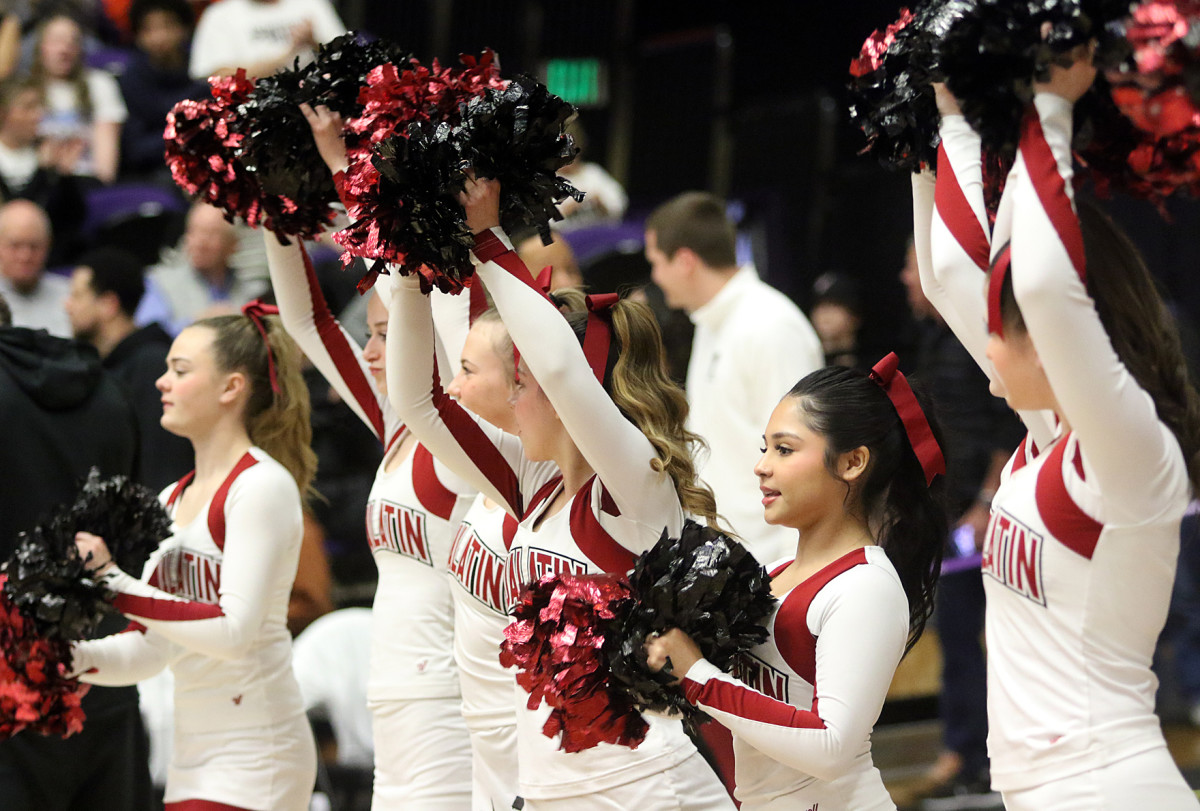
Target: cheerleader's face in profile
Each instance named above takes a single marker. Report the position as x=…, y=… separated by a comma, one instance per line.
x=373, y=350
x=484, y=383
x=537, y=422
x=195, y=393
x=1019, y=379
x=798, y=488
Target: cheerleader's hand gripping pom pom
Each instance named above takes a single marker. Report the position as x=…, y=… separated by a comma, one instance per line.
x=48, y=580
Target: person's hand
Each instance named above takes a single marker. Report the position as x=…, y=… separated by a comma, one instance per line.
x=96, y=558
x=977, y=517
x=947, y=103
x=673, y=651
x=480, y=199
x=326, y=126
x=1073, y=74
x=302, y=36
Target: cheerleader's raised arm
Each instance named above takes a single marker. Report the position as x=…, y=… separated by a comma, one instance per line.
x=1128, y=452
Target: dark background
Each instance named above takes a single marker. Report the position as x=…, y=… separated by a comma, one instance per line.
x=749, y=104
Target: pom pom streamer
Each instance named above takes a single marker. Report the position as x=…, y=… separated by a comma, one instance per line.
x=35, y=693
x=578, y=640
x=565, y=628
x=47, y=581
x=705, y=583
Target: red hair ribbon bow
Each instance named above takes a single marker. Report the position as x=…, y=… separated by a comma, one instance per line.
x=895, y=385
x=256, y=310
x=597, y=335
x=995, y=324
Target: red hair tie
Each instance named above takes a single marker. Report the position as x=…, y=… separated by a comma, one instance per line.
x=597, y=335
x=999, y=270
x=256, y=311
x=895, y=385
x=543, y=284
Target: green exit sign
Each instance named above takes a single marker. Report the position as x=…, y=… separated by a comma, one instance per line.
x=582, y=82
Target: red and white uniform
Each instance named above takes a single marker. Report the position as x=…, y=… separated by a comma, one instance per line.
x=477, y=562
x=801, y=705
x=620, y=513
x=213, y=604
x=421, y=751
x=1081, y=550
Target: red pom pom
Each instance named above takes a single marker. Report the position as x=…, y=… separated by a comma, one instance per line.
x=563, y=625
x=35, y=693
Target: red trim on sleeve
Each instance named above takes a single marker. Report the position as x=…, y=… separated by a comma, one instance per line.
x=957, y=213
x=1052, y=189
x=168, y=610
x=134, y=627
x=592, y=538
x=342, y=353
x=201, y=805
x=490, y=248
x=1065, y=521
x=471, y=438
x=751, y=704
x=216, y=509
x=790, y=633
x=430, y=491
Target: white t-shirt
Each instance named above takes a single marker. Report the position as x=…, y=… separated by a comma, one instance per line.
x=17, y=166
x=236, y=33
x=65, y=119
x=751, y=345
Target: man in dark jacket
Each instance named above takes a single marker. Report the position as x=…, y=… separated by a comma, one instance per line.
x=60, y=415
x=106, y=287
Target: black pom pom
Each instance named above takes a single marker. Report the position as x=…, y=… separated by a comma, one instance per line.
x=46, y=578
x=704, y=583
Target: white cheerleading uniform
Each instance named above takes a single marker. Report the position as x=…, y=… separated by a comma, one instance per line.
x=212, y=605
x=1081, y=550
x=477, y=562
x=801, y=705
x=618, y=514
x=422, y=757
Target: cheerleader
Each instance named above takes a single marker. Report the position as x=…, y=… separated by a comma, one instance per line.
x=847, y=463
x=592, y=397
x=212, y=600
x=422, y=756
x=1080, y=554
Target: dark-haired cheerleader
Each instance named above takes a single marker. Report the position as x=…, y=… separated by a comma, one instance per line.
x=1081, y=550
x=848, y=461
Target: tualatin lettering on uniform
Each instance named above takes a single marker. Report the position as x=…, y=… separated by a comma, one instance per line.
x=399, y=529
x=1012, y=555
x=528, y=565
x=477, y=568
x=760, y=676
x=189, y=575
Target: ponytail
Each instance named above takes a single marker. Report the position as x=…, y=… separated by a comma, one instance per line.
x=850, y=410
x=636, y=378
x=278, y=422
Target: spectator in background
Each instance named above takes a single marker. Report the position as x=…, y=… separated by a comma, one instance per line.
x=199, y=280
x=751, y=343
x=35, y=297
x=979, y=434
x=605, y=200
x=61, y=414
x=557, y=254
x=39, y=169
x=81, y=102
x=105, y=290
x=837, y=316
x=153, y=82
x=260, y=36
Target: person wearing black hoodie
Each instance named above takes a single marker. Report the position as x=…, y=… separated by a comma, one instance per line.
x=60, y=415
x=106, y=286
